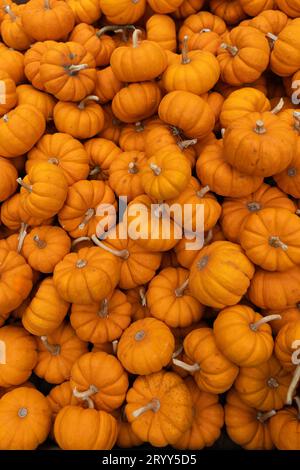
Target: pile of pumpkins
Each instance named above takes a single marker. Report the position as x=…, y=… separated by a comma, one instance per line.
x=141, y=340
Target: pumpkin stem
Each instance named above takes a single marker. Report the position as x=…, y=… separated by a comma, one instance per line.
x=82, y=103
x=80, y=239
x=205, y=30
x=262, y=417
x=47, y=5
x=28, y=187
x=296, y=115
x=53, y=349
x=272, y=383
x=177, y=352
x=40, y=243
x=124, y=254
x=297, y=400
x=292, y=172
x=133, y=168
x=260, y=127
x=254, y=206
x=153, y=405
x=22, y=412
x=103, y=312
x=275, y=242
x=136, y=37
x=21, y=237
x=187, y=143
x=86, y=395
x=175, y=130
x=106, y=29
x=188, y=367
x=95, y=171
x=5, y=118
x=202, y=262
x=143, y=297
x=180, y=290
x=232, y=49
x=74, y=69
x=87, y=217
x=53, y=161
x=156, y=169
x=208, y=237
x=81, y=263
x=203, y=191
x=297, y=212
x=184, y=51
x=293, y=386
x=115, y=346
x=278, y=106
x=139, y=127
x=9, y=11
x=255, y=326
x=272, y=38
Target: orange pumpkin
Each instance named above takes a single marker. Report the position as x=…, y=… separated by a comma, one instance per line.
x=101, y=153
x=287, y=315
x=45, y=103
x=285, y=59
x=188, y=7
x=164, y=6
x=112, y=125
x=137, y=298
x=96, y=42
x=123, y=11
x=126, y=174
x=269, y=21
x=253, y=8
x=32, y=62
x=230, y=11
x=126, y=437
x=13, y=63
x=8, y=89
x=85, y=11
x=9, y=183
x=288, y=179
x=13, y=215
x=284, y=428
x=107, y=85
x=162, y=30
x=12, y=28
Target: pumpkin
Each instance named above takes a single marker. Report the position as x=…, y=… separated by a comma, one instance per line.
x=32, y=62
x=187, y=112
x=285, y=58
x=112, y=125
x=269, y=21
x=272, y=144
x=83, y=211
x=194, y=71
x=207, y=422
x=220, y=275
x=244, y=335
x=152, y=228
x=138, y=265
x=169, y=299
x=136, y=58
x=162, y=30
x=126, y=437
x=161, y=178
x=57, y=352
x=211, y=370
x=13, y=63
x=287, y=315
x=12, y=29
x=189, y=201
x=269, y=238
x=8, y=95
x=136, y=102
x=159, y=408
x=247, y=426
x=162, y=137
x=264, y=387
x=25, y=419
x=85, y=11
x=14, y=216
x=59, y=397
x=46, y=310
x=253, y=8
x=146, y=346
x=82, y=121
x=123, y=11
x=96, y=42
x=94, y=274
x=45, y=246
x=22, y=127
x=284, y=428
x=230, y=11
x=288, y=179
x=43, y=190
x=27, y=94
x=164, y=6
x=241, y=102
x=67, y=71
x=101, y=153
x=102, y=322
x=63, y=151
x=236, y=211
x=9, y=182
x=243, y=56
x=275, y=290
x=222, y=178
x=47, y=19
x=15, y=281
x=107, y=85
x=188, y=7
x=126, y=174
x=100, y=377
x=18, y=355
x=290, y=7
x=204, y=31
x=137, y=298
x=101, y=433
x=133, y=136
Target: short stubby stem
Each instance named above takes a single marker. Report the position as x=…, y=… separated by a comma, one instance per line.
x=81, y=263
x=155, y=168
x=39, y=243
x=22, y=412
x=143, y=297
x=275, y=242
x=232, y=49
x=203, y=191
x=103, y=312
x=74, y=69
x=133, y=168
x=260, y=127
x=263, y=417
x=254, y=206
x=272, y=382
x=53, y=161
x=140, y=335
x=187, y=143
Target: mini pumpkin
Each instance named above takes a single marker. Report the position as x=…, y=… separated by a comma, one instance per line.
x=100, y=377
x=285, y=60
x=101, y=153
x=253, y=8
x=123, y=11
x=45, y=103
x=18, y=355
x=94, y=273
x=107, y=85
x=12, y=29
x=25, y=419
x=137, y=298
x=15, y=217
x=85, y=11
x=46, y=310
x=188, y=7
x=162, y=30
x=126, y=437
x=220, y=275
x=269, y=21
x=9, y=182
x=32, y=61
x=146, y=346
x=291, y=314
x=96, y=42
x=102, y=322
x=57, y=352
x=112, y=125
x=288, y=180
x=126, y=174
x=159, y=408
x=284, y=427
x=8, y=95
x=230, y=11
